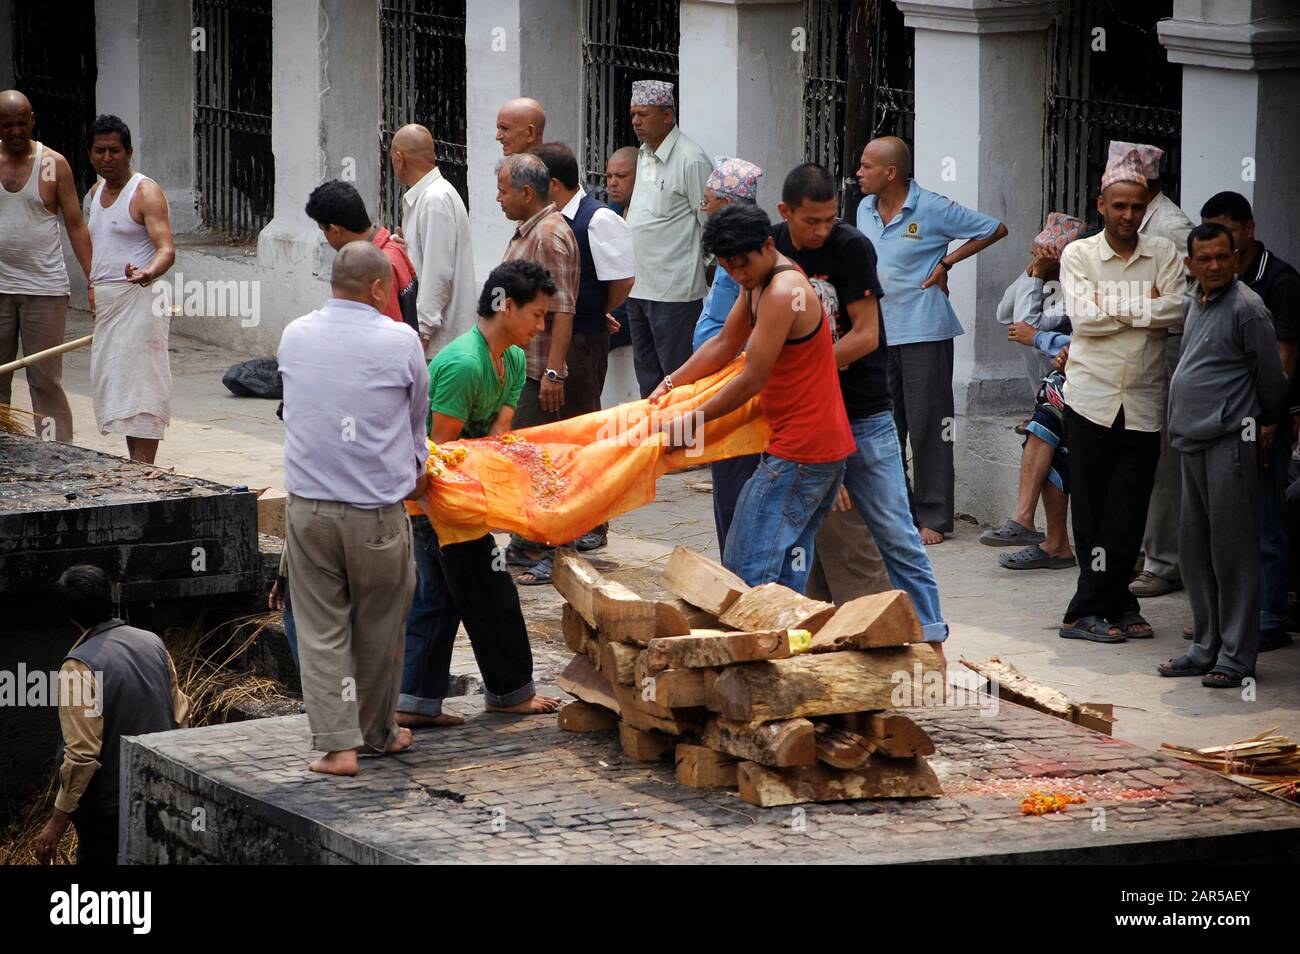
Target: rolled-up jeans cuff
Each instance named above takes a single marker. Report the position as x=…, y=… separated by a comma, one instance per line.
x=522, y=694
x=934, y=632
x=419, y=706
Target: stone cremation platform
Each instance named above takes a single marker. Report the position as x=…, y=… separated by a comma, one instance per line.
x=510, y=789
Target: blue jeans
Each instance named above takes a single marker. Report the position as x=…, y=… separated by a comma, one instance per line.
x=1274, y=542
x=877, y=485
x=777, y=517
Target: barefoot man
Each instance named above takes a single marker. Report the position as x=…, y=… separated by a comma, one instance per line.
x=355, y=402
x=474, y=386
x=38, y=187
x=130, y=374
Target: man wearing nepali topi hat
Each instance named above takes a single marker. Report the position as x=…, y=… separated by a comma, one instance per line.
x=667, y=220
x=1123, y=291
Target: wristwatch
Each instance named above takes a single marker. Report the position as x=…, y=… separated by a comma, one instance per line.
x=553, y=375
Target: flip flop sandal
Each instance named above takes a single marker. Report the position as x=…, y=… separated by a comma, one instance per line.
x=518, y=556
x=1011, y=534
x=592, y=540
x=1034, y=557
x=1182, y=666
x=1218, y=679
x=540, y=572
x=1092, y=628
x=1135, y=619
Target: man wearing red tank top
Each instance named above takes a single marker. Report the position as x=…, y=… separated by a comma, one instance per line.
x=790, y=362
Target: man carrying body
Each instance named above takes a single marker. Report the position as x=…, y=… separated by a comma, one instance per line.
x=666, y=221
x=1227, y=396
x=911, y=229
x=474, y=385
x=38, y=187
x=115, y=681
x=521, y=125
x=790, y=360
x=131, y=234
x=435, y=227
x=340, y=212
x=356, y=403
x=841, y=266
x=1123, y=290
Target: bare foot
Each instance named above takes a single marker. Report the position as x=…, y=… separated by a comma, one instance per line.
x=537, y=705
x=401, y=742
x=930, y=537
x=336, y=763
x=413, y=720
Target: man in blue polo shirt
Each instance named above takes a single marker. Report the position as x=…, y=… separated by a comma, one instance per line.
x=911, y=229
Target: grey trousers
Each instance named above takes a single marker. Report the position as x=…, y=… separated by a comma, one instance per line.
x=846, y=562
x=351, y=576
x=1218, y=547
x=920, y=377
x=661, y=337
x=1160, y=541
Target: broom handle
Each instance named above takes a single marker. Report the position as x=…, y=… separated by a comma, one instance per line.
x=29, y=359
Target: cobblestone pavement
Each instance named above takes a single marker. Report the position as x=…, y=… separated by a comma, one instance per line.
x=519, y=789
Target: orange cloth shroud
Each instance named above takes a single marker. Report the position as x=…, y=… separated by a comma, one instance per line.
x=554, y=482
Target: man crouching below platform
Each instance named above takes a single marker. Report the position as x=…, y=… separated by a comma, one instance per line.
x=474, y=386
x=355, y=402
x=790, y=360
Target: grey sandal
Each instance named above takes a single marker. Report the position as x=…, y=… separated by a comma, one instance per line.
x=1034, y=557
x=1092, y=628
x=1011, y=534
x=1183, y=666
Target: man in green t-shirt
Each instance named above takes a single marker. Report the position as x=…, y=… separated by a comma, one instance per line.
x=474, y=383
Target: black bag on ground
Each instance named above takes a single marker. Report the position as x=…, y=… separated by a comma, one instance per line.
x=259, y=377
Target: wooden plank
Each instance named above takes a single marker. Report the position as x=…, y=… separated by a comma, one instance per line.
x=701, y=767
x=619, y=662
x=773, y=606
x=581, y=680
x=615, y=611
x=870, y=622
x=643, y=745
x=582, y=716
x=673, y=688
x=898, y=737
x=841, y=748
x=702, y=582
x=1016, y=687
x=883, y=778
x=823, y=684
x=577, y=581
x=774, y=743
x=709, y=648
x=577, y=631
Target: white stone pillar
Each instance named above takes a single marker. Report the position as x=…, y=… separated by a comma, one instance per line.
x=740, y=93
x=516, y=48
x=980, y=68
x=324, y=117
x=1241, y=109
x=145, y=76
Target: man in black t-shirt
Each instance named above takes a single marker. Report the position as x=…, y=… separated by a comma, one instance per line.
x=841, y=266
x=1279, y=285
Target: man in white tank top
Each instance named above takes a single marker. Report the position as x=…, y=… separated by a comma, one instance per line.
x=130, y=374
x=37, y=188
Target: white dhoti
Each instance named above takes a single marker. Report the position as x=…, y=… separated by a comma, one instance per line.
x=130, y=372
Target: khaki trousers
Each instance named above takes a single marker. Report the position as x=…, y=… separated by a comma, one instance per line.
x=40, y=321
x=351, y=579
x=846, y=562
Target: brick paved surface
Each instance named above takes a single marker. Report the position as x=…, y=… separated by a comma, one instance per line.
x=517, y=789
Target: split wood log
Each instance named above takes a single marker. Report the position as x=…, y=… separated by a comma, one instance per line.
x=577, y=631
x=581, y=680
x=708, y=648
x=674, y=688
x=774, y=743
x=870, y=622
x=695, y=617
x=647, y=714
x=618, y=662
x=842, y=749
x=1011, y=684
x=701, y=767
x=898, y=737
x=643, y=745
x=773, y=606
x=582, y=716
x=884, y=778
x=702, y=582
x=823, y=684
x=616, y=611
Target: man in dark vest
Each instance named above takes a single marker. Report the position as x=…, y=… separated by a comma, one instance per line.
x=115, y=681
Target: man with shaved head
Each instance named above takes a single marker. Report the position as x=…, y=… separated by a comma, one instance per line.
x=911, y=229
x=435, y=227
x=38, y=188
x=356, y=402
x=521, y=125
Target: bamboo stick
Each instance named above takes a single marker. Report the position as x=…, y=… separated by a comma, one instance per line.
x=30, y=359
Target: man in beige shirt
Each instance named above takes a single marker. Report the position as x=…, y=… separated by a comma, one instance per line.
x=116, y=681
x=1123, y=291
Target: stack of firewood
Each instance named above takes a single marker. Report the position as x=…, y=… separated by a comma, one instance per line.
x=785, y=698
